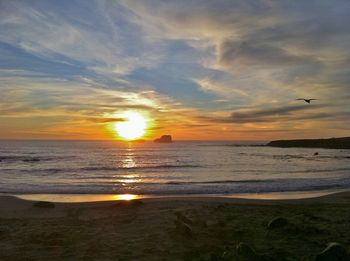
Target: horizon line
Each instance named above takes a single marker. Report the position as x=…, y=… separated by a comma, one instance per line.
x=126, y=141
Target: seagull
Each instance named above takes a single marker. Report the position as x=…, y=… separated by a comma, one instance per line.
x=306, y=100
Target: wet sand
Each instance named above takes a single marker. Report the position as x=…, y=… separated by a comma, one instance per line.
x=183, y=228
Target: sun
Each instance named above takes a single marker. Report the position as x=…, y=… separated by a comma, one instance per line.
x=132, y=127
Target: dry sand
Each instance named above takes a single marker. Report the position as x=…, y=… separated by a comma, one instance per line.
x=191, y=228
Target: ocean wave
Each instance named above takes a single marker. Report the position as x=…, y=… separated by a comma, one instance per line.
x=105, y=168
x=115, y=181
x=310, y=157
x=16, y=158
x=318, y=170
x=231, y=145
x=170, y=189
x=39, y=171
x=71, y=171
x=77, y=171
x=222, y=181
x=19, y=158
x=252, y=181
x=294, y=156
x=163, y=166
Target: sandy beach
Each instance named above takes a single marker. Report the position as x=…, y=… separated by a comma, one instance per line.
x=183, y=228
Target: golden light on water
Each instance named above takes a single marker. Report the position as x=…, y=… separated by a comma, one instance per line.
x=79, y=197
x=133, y=127
x=129, y=159
x=130, y=179
x=125, y=197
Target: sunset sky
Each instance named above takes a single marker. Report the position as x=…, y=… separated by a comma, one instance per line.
x=218, y=70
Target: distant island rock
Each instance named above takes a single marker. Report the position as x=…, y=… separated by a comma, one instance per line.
x=164, y=139
x=332, y=143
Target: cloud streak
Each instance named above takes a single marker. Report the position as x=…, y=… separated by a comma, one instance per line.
x=239, y=63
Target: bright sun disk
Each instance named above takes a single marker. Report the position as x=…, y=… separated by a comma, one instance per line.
x=132, y=127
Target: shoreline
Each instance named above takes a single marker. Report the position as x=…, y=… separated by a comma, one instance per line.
x=12, y=206
x=80, y=198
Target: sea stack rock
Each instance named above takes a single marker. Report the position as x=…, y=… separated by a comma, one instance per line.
x=164, y=139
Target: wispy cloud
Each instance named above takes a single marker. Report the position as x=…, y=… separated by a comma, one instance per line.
x=98, y=42
x=239, y=63
x=281, y=113
x=268, y=44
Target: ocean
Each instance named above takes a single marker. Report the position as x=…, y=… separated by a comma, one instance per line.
x=178, y=168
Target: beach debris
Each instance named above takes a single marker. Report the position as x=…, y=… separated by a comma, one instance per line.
x=183, y=218
x=334, y=251
x=245, y=252
x=277, y=222
x=183, y=224
x=183, y=228
x=316, y=153
x=44, y=204
x=226, y=255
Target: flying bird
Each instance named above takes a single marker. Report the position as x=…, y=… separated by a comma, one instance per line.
x=306, y=100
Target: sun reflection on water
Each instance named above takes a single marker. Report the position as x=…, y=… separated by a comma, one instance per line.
x=129, y=159
x=79, y=197
x=130, y=179
x=126, y=197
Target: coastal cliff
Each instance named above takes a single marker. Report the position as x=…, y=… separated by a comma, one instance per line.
x=332, y=143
